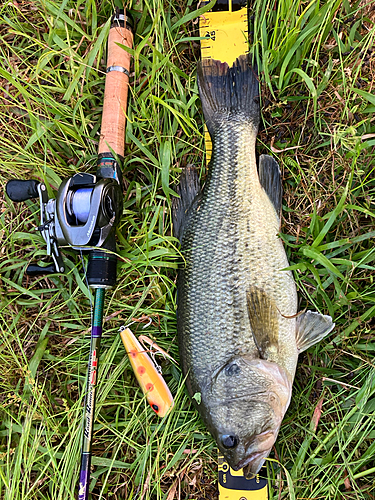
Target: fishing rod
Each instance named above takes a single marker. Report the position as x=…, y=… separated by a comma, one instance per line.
x=103, y=263
x=85, y=213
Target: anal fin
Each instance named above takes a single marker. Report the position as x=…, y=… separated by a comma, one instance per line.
x=270, y=179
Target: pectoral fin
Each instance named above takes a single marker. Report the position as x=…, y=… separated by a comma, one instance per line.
x=312, y=327
x=264, y=323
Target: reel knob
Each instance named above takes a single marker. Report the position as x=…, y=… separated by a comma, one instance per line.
x=18, y=190
x=36, y=270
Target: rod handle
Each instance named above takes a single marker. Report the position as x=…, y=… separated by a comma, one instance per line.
x=18, y=190
x=112, y=134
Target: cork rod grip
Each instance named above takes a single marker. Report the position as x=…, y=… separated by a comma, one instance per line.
x=112, y=135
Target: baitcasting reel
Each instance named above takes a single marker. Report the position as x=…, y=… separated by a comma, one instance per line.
x=83, y=216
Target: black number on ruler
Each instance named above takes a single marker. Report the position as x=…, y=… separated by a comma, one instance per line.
x=210, y=34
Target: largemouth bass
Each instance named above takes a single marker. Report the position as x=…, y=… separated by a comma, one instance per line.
x=238, y=327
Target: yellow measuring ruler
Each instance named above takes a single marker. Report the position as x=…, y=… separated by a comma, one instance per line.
x=225, y=29
x=234, y=486
x=226, y=32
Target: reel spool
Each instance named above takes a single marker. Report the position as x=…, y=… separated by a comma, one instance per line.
x=78, y=204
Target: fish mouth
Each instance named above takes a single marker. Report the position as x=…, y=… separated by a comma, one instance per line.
x=255, y=459
x=253, y=456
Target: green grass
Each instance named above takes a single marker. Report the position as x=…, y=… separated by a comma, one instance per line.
x=316, y=68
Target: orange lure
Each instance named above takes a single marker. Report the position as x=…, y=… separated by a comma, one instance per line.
x=152, y=383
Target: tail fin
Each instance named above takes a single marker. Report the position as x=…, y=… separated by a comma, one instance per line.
x=228, y=91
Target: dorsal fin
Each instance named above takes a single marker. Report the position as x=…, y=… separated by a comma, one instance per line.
x=189, y=190
x=270, y=179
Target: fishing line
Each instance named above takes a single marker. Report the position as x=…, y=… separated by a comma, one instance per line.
x=79, y=203
x=87, y=284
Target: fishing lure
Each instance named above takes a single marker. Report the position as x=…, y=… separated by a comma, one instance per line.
x=152, y=383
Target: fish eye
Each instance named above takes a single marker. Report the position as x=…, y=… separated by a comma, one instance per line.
x=229, y=441
x=232, y=369
x=155, y=407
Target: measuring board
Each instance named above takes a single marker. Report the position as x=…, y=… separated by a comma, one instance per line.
x=226, y=32
x=225, y=29
x=234, y=486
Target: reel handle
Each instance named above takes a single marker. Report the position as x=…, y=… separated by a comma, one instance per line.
x=18, y=190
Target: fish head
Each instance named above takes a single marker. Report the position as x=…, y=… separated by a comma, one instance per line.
x=244, y=409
